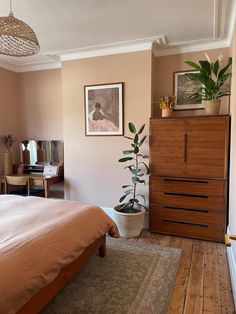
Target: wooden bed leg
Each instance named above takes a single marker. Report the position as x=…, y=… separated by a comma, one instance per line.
x=102, y=248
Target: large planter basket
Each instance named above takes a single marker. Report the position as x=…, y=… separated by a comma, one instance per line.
x=129, y=225
x=212, y=107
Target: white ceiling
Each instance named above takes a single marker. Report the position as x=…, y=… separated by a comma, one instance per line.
x=70, y=29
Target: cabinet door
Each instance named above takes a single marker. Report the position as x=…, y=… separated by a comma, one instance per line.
x=207, y=147
x=167, y=147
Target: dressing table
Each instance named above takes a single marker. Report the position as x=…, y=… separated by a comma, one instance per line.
x=36, y=156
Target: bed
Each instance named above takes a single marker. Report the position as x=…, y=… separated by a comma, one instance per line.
x=43, y=243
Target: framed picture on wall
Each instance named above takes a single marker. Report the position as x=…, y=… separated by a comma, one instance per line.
x=104, y=109
x=184, y=88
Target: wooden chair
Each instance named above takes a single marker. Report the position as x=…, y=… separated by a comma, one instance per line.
x=22, y=182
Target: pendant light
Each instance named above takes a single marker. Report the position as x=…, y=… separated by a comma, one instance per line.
x=17, y=39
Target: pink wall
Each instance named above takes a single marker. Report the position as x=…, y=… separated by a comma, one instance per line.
x=92, y=171
x=40, y=98
x=163, y=70
x=9, y=111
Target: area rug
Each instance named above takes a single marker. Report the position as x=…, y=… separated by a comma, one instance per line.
x=135, y=277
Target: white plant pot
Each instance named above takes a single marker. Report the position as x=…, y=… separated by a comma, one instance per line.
x=129, y=225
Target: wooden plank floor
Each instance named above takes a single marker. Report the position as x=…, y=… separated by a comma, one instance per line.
x=203, y=282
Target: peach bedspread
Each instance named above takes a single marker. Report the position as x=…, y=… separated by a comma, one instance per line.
x=38, y=237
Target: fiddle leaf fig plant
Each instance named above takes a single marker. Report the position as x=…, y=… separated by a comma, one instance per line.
x=212, y=77
x=130, y=200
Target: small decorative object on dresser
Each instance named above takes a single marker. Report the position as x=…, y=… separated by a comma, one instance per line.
x=167, y=104
x=26, y=152
x=213, y=79
x=129, y=216
x=7, y=141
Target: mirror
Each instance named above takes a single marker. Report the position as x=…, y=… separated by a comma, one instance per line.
x=42, y=152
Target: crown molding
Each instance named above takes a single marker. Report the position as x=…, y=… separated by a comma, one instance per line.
x=190, y=47
x=7, y=66
x=50, y=65
x=110, y=49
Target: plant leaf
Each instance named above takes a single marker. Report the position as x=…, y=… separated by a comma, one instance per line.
x=125, y=159
x=147, y=169
x=127, y=152
x=126, y=186
x=142, y=140
x=193, y=65
x=136, y=150
x=141, y=129
x=122, y=198
x=132, y=128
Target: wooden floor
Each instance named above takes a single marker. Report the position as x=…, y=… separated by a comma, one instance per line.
x=203, y=282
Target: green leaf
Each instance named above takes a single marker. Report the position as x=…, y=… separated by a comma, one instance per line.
x=142, y=196
x=225, y=68
x=127, y=152
x=147, y=169
x=125, y=159
x=140, y=174
x=142, y=140
x=132, y=128
x=141, y=129
x=131, y=169
x=122, y=198
x=136, y=139
x=140, y=181
x=136, y=150
x=128, y=191
x=193, y=65
x=216, y=67
x=206, y=67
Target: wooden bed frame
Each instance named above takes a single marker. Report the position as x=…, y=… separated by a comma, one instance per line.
x=39, y=300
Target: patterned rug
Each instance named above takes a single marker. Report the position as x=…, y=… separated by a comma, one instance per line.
x=135, y=277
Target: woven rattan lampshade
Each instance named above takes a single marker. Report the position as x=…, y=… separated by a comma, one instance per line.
x=17, y=38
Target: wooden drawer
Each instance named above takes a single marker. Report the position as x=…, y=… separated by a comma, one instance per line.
x=207, y=231
x=206, y=216
x=186, y=186
x=191, y=201
x=38, y=182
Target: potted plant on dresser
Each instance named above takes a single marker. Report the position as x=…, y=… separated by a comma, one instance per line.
x=213, y=78
x=167, y=104
x=129, y=215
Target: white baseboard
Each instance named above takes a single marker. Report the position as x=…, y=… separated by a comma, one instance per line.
x=110, y=213
x=232, y=268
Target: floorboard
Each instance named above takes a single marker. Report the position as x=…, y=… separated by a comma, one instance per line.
x=203, y=283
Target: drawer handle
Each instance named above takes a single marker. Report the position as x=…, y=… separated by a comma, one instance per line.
x=188, y=195
x=186, y=223
x=187, y=209
x=185, y=147
x=182, y=180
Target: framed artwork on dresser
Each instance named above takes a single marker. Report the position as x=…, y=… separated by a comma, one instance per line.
x=104, y=109
x=184, y=88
